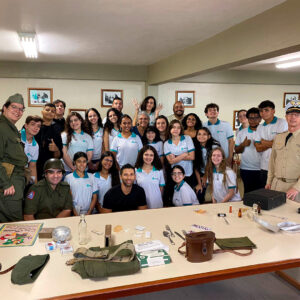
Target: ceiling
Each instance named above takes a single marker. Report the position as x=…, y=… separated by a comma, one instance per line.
x=131, y=32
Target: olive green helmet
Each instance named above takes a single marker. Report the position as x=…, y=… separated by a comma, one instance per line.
x=54, y=163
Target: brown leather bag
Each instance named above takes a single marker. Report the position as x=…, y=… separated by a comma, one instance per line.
x=199, y=246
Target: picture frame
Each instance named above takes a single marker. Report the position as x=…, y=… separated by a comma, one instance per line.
x=81, y=111
x=236, y=123
x=107, y=96
x=38, y=97
x=288, y=97
x=186, y=97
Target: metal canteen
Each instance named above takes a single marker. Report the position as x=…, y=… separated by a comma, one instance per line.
x=61, y=234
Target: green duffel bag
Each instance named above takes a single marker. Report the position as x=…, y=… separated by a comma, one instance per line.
x=99, y=262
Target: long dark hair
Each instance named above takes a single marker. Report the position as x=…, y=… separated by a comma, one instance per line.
x=115, y=178
x=210, y=143
x=108, y=124
x=169, y=135
x=198, y=124
x=68, y=128
x=151, y=129
x=88, y=123
x=167, y=123
x=145, y=101
x=156, y=161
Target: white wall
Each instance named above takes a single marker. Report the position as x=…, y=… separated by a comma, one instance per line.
x=229, y=97
x=76, y=93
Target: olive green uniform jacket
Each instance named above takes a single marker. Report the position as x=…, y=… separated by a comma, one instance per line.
x=44, y=203
x=12, y=152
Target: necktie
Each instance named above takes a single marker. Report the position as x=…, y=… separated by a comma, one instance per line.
x=287, y=138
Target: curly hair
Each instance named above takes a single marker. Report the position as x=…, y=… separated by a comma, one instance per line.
x=140, y=161
x=108, y=124
x=145, y=101
x=198, y=124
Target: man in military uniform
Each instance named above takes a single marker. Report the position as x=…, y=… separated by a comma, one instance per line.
x=12, y=161
x=284, y=165
x=50, y=197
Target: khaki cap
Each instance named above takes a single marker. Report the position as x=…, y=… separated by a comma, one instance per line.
x=16, y=98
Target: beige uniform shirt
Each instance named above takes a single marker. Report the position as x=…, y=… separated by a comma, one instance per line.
x=285, y=162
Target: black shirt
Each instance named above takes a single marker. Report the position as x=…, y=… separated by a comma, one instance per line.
x=116, y=200
x=60, y=123
x=43, y=138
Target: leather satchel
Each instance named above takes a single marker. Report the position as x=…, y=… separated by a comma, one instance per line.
x=199, y=246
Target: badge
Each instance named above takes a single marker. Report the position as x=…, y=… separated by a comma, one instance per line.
x=31, y=195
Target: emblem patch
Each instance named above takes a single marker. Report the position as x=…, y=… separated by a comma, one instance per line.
x=31, y=195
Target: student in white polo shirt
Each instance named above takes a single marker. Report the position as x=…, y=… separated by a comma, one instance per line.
x=126, y=145
x=106, y=177
x=95, y=129
x=220, y=130
x=83, y=188
x=265, y=135
x=31, y=128
x=179, y=150
x=250, y=158
x=150, y=176
x=183, y=194
x=75, y=139
x=111, y=127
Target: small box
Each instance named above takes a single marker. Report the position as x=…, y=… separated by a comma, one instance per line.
x=266, y=199
x=46, y=233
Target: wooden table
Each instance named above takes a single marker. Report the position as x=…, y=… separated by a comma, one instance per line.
x=275, y=251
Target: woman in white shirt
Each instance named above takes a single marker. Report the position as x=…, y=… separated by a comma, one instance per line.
x=106, y=177
x=95, y=129
x=150, y=176
x=75, y=138
x=179, y=150
x=111, y=127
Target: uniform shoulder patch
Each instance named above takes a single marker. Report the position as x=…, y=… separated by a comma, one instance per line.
x=30, y=195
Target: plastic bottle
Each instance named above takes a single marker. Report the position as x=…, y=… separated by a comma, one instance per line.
x=82, y=230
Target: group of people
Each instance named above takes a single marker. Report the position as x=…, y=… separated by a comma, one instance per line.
x=57, y=167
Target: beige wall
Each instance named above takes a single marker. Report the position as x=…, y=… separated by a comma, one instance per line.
x=76, y=93
x=229, y=97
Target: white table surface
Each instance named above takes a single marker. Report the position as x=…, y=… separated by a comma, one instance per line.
x=57, y=279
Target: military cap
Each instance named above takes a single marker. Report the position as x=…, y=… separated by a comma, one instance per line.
x=292, y=106
x=54, y=163
x=16, y=98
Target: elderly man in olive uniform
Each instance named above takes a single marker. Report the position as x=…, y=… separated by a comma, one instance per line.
x=50, y=197
x=12, y=161
x=284, y=165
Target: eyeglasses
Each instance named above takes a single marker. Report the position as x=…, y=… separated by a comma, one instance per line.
x=15, y=108
x=176, y=174
x=108, y=160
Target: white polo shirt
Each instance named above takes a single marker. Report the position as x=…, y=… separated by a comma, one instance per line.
x=79, y=142
x=31, y=149
x=250, y=158
x=82, y=190
x=97, y=140
x=222, y=132
x=184, y=195
x=126, y=149
x=151, y=183
x=112, y=135
x=185, y=145
x=268, y=132
x=103, y=185
x=220, y=191
x=158, y=146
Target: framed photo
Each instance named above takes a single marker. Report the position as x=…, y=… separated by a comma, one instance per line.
x=186, y=97
x=39, y=97
x=288, y=97
x=236, y=123
x=107, y=96
x=81, y=111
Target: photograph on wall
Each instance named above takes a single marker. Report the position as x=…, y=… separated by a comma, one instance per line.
x=186, y=97
x=39, y=96
x=236, y=123
x=81, y=111
x=288, y=97
x=107, y=97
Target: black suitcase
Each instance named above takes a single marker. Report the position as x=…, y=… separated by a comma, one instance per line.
x=267, y=199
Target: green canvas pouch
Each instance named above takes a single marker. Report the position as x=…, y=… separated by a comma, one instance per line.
x=235, y=243
x=28, y=268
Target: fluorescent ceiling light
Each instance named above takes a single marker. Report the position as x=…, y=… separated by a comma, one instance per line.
x=289, y=57
x=288, y=65
x=29, y=44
